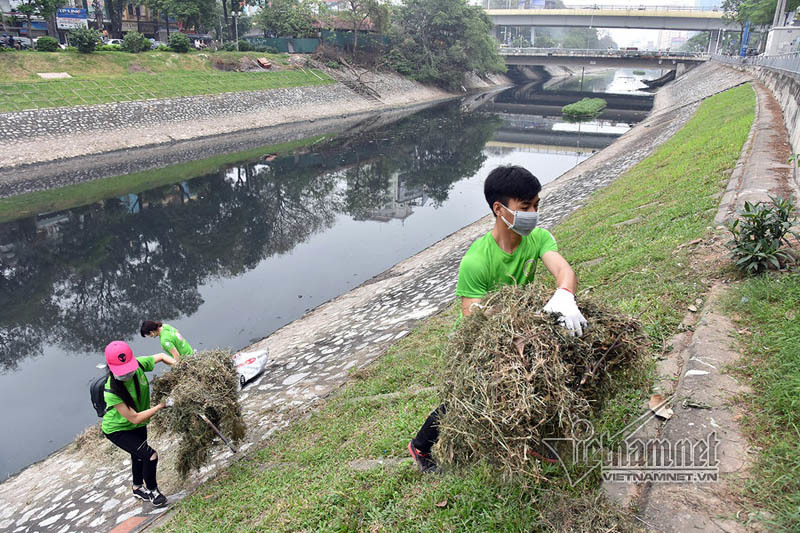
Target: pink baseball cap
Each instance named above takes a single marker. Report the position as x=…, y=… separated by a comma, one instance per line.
x=120, y=359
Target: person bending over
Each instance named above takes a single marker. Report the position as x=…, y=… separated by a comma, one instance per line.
x=172, y=341
x=127, y=396
x=506, y=255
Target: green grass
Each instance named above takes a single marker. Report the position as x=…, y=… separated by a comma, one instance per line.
x=587, y=107
x=301, y=481
x=24, y=205
x=75, y=92
x=667, y=200
x=23, y=66
x=768, y=308
x=104, y=77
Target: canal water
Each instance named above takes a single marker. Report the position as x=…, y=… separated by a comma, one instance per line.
x=233, y=253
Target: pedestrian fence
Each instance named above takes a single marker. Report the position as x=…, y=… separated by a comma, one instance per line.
x=77, y=92
x=287, y=45
x=784, y=62
x=340, y=39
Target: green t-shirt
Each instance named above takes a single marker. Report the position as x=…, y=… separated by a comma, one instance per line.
x=112, y=420
x=172, y=338
x=486, y=267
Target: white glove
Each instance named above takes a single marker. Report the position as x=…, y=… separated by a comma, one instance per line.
x=563, y=303
x=169, y=402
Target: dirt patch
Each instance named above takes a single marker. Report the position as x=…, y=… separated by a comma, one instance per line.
x=135, y=67
x=241, y=64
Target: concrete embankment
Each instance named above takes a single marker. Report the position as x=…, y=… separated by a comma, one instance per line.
x=30, y=137
x=785, y=87
x=88, y=490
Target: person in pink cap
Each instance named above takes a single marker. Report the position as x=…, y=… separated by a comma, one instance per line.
x=128, y=411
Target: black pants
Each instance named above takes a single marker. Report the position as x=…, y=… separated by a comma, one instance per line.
x=428, y=434
x=134, y=441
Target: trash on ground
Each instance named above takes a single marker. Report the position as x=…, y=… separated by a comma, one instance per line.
x=250, y=364
x=658, y=404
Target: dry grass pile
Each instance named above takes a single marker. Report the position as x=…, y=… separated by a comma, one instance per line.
x=513, y=376
x=205, y=383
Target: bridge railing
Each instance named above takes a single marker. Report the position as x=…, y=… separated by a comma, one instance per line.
x=784, y=62
x=517, y=4
x=592, y=52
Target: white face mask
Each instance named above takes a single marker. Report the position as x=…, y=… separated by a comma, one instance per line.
x=126, y=377
x=524, y=221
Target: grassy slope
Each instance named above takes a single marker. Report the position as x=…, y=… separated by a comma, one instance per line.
x=300, y=481
x=103, y=77
x=23, y=66
x=768, y=308
x=25, y=205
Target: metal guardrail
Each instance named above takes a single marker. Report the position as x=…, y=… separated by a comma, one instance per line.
x=783, y=62
x=591, y=52
x=515, y=4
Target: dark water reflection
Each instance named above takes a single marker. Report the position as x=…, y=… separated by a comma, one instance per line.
x=231, y=256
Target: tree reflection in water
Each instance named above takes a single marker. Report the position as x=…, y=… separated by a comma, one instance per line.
x=80, y=277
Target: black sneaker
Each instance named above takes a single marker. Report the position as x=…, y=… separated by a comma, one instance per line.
x=142, y=493
x=424, y=461
x=158, y=499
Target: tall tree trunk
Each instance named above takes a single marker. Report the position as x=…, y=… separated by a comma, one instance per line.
x=225, y=15
x=30, y=37
x=52, y=30
x=115, y=14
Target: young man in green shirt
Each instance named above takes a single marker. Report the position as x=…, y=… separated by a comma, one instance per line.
x=506, y=255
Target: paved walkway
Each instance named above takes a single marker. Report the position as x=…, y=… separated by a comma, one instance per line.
x=89, y=490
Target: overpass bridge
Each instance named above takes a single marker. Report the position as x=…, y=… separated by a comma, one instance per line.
x=507, y=13
x=631, y=16
x=603, y=58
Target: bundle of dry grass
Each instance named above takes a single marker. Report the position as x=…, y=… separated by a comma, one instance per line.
x=205, y=383
x=513, y=376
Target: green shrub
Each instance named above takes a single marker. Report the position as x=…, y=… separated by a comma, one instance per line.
x=332, y=64
x=84, y=39
x=109, y=48
x=759, y=233
x=587, y=107
x=639, y=72
x=229, y=47
x=47, y=44
x=134, y=42
x=244, y=46
x=271, y=50
x=163, y=48
x=4, y=49
x=179, y=42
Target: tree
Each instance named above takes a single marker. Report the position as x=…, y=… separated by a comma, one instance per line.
x=287, y=18
x=191, y=13
x=439, y=41
x=115, y=8
x=758, y=12
x=359, y=11
x=37, y=8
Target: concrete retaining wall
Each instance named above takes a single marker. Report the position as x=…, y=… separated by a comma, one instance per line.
x=786, y=88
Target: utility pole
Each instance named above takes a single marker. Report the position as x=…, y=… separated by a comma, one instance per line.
x=235, y=16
